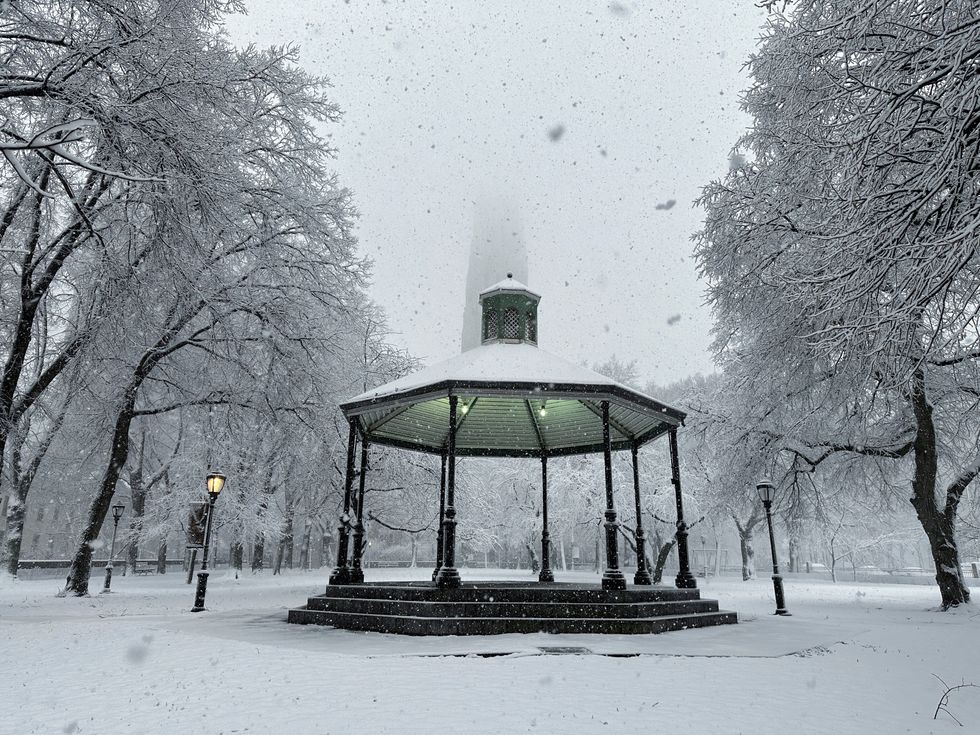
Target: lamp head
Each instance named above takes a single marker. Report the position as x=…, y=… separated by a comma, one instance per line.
x=216, y=482
x=767, y=491
x=117, y=511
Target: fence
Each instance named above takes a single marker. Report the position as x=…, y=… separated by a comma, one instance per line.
x=43, y=568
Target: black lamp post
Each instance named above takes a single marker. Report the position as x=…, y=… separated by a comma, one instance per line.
x=117, y=511
x=215, y=483
x=766, y=494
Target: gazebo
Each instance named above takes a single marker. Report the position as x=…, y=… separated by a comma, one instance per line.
x=507, y=398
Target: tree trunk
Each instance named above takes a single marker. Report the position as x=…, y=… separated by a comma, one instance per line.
x=415, y=551
x=794, y=551
x=597, y=565
x=22, y=478
x=288, y=541
x=938, y=524
x=325, y=541
x=162, y=557
x=258, y=545
x=277, y=562
x=533, y=556
x=138, y=497
x=748, y=555
x=18, y=343
x=304, y=549
x=258, y=552
x=945, y=554
x=81, y=566
x=662, y=556
x=237, y=556
x=16, y=511
x=745, y=531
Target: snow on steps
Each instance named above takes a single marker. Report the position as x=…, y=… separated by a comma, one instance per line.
x=489, y=609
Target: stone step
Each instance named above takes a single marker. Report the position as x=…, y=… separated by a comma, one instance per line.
x=495, y=609
x=416, y=625
x=509, y=592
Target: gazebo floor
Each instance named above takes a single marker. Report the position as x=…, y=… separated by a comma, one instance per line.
x=490, y=608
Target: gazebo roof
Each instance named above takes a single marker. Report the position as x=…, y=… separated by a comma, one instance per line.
x=514, y=399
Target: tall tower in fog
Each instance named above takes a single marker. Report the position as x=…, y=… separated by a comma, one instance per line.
x=497, y=248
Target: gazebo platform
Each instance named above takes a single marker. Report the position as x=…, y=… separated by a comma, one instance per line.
x=490, y=608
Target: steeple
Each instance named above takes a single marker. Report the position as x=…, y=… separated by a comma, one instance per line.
x=510, y=313
x=497, y=247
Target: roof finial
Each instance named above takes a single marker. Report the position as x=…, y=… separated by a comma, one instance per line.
x=510, y=275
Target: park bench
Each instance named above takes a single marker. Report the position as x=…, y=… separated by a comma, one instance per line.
x=143, y=569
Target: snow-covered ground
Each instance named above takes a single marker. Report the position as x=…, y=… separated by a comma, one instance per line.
x=852, y=658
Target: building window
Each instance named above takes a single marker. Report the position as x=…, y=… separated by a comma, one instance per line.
x=512, y=324
x=491, y=325
x=530, y=328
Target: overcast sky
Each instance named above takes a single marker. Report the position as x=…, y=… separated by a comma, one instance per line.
x=594, y=116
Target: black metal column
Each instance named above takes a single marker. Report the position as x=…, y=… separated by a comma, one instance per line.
x=777, y=578
x=685, y=579
x=448, y=574
x=356, y=573
x=341, y=573
x=106, y=587
x=546, y=575
x=642, y=575
x=442, y=518
x=612, y=577
x=202, y=576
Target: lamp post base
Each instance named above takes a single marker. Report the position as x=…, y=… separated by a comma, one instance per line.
x=108, y=580
x=546, y=575
x=613, y=579
x=777, y=586
x=685, y=581
x=642, y=576
x=448, y=578
x=340, y=575
x=202, y=588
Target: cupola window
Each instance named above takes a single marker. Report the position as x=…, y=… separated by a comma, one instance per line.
x=491, y=325
x=512, y=324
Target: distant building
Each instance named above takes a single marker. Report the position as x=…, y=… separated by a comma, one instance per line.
x=497, y=248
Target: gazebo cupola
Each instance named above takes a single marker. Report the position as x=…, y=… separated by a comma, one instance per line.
x=510, y=313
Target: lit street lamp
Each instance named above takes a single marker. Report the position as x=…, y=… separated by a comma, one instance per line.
x=766, y=493
x=215, y=483
x=117, y=511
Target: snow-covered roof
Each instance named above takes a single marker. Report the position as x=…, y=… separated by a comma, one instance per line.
x=495, y=363
x=508, y=284
x=513, y=400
